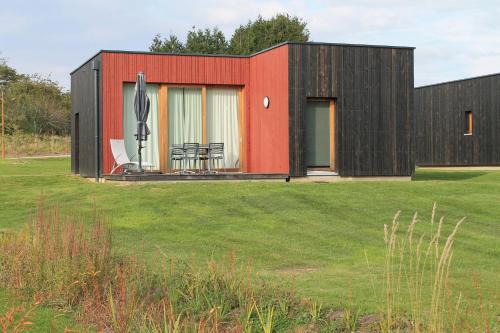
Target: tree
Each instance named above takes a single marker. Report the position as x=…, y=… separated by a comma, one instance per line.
x=172, y=44
x=247, y=39
x=34, y=104
x=261, y=33
x=206, y=41
x=7, y=73
x=38, y=105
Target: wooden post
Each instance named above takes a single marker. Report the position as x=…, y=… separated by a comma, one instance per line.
x=163, y=128
x=3, y=129
x=241, y=129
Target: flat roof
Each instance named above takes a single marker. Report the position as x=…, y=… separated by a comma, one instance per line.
x=459, y=80
x=241, y=56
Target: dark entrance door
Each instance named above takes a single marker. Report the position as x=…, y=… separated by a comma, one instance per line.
x=317, y=134
x=77, y=143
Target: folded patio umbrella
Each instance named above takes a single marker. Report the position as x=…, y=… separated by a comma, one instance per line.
x=141, y=108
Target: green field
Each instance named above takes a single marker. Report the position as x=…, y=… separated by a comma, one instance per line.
x=314, y=234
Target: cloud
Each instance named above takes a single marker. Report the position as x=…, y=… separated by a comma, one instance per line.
x=453, y=39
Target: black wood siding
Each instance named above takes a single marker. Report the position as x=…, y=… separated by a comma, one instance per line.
x=440, y=125
x=373, y=88
x=82, y=102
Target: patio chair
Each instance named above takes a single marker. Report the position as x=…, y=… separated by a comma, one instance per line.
x=120, y=155
x=176, y=155
x=191, y=153
x=216, y=153
x=203, y=156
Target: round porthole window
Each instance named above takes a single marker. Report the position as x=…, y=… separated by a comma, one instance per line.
x=266, y=102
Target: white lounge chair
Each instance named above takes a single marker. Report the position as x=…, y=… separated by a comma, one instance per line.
x=120, y=155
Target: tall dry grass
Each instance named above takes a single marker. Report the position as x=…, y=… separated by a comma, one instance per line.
x=69, y=263
x=24, y=144
x=55, y=258
x=418, y=295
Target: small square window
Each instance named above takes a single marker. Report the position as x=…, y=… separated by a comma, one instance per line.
x=468, y=123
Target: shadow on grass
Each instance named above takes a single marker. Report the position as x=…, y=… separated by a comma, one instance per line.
x=446, y=175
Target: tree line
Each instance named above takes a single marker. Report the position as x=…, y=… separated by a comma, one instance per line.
x=34, y=104
x=247, y=38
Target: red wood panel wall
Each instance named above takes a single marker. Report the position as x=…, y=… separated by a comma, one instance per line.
x=268, y=75
x=118, y=68
x=268, y=128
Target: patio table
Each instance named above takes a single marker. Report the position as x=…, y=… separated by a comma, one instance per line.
x=203, y=155
x=204, y=151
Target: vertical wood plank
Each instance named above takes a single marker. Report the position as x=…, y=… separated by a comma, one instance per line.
x=163, y=127
x=242, y=132
x=167, y=144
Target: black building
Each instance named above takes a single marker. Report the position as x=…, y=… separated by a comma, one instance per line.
x=458, y=122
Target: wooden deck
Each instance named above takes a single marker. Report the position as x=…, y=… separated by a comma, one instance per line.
x=195, y=177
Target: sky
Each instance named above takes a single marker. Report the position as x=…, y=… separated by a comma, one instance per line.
x=453, y=38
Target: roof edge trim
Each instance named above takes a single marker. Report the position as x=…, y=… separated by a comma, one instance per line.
x=241, y=56
x=458, y=80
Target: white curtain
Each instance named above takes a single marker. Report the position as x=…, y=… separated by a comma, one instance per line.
x=184, y=115
x=175, y=115
x=150, y=154
x=223, y=124
x=192, y=115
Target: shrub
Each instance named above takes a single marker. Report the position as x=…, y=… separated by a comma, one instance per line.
x=34, y=104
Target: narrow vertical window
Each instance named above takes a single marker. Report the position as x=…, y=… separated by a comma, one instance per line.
x=468, y=123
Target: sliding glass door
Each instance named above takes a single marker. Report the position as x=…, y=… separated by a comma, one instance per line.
x=150, y=153
x=184, y=115
x=200, y=114
x=223, y=123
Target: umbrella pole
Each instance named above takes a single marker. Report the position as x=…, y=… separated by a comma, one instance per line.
x=140, y=154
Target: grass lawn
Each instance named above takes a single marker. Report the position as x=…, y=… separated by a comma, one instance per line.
x=314, y=234
x=46, y=319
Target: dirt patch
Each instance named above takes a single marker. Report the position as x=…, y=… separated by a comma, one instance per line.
x=369, y=320
x=334, y=315
x=296, y=270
